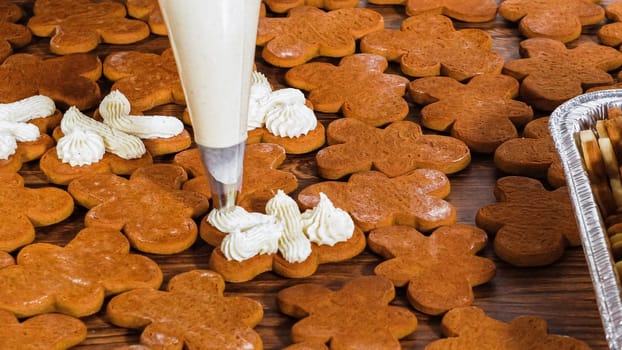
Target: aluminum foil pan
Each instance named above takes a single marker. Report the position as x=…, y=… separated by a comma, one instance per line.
x=582, y=113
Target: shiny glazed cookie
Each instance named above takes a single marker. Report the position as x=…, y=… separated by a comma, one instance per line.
x=48, y=331
x=533, y=155
x=560, y=20
x=395, y=150
x=282, y=6
x=374, y=200
x=22, y=209
x=482, y=112
x=467, y=327
x=77, y=26
x=532, y=226
x=465, y=11
x=148, y=11
x=358, y=87
x=428, y=45
x=308, y=32
x=69, y=80
x=74, y=279
x=146, y=79
x=193, y=313
x=260, y=180
x=440, y=271
x=551, y=74
x=11, y=34
x=150, y=208
x=358, y=315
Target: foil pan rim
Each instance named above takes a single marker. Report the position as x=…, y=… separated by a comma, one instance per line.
x=572, y=116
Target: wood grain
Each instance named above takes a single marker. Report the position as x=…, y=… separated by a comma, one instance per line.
x=562, y=293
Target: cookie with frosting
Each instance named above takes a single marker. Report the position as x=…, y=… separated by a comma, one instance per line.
x=290, y=243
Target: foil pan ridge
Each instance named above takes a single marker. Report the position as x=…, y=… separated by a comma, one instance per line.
x=582, y=113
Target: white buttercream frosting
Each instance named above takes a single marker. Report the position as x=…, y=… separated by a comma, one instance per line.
x=80, y=147
x=260, y=92
x=8, y=145
x=117, y=142
x=248, y=234
x=293, y=244
x=11, y=133
x=33, y=107
x=327, y=225
x=115, y=111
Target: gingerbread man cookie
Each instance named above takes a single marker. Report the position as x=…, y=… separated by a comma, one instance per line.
x=356, y=316
x=470, y=328
x=482, y=112
x=77, y=26
x=69, y=80
x=148, y=11
x=428, y=45
x=465, y=11
x=533, y=155
x=375, y=200
x=150, y=208
x=532, y=226
x=611, y=33
x=48, y=331
x=282, y=6
x=560, y=20
x=308, y=32
x=395, y=150
x=11, y=34
x=357, y=87
x=440, y=270
x=23, y=209
x=74, y=279
x=192, y=313
x=146, y=79
x=551, y=74
x=260, y=180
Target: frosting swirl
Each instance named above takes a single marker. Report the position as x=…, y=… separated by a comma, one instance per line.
x=11, y=132
x=262, y=238
x=259, y=94
x=327, y=225
x=29, y=108
x=293, y=244
x=287, y=115
x=115, y=111
x=235, y=218
x=80, y=147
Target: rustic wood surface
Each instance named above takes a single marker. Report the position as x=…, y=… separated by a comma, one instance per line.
x=562, y=293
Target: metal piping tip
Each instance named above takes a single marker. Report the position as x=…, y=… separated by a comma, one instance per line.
x=223, y=167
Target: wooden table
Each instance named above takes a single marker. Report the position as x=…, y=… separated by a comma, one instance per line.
x=562, y=293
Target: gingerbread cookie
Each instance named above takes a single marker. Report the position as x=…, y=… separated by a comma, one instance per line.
x=439, y=270
x=150, y=208
x=428, y=45
x=48, y=331
x=86, y=146
x=356, y=316
x=560, y=20
x=11, y=34
x=611, y=33
x=375, y=200
x=466, y=11
x=6, y=259
x=532, y=226
x=482, y=112
x=148, y=11
x=23, y=127
x=550, y=73
x=146, y=79
x=74, y=279
x=357, y=87
x=308, y=32
x=68, y=80
x=467, y=327
x=193, y=313
x=77, y=26
x=395, y=150
x=533, y=155
x=282, y=6
x=284, y=241
x=23, y=209
x=260, y=180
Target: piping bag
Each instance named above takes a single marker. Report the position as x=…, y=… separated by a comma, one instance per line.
x=213, y=42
